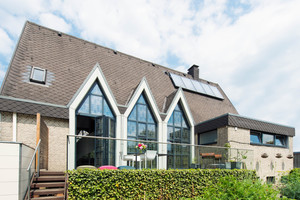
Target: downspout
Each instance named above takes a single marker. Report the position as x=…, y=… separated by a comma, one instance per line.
x=14, y=127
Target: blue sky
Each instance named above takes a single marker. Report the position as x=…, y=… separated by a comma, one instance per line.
x=250, y=47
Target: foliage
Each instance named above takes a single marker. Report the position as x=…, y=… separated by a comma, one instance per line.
x=291, y=184
x=230, y=187
x=149, y=184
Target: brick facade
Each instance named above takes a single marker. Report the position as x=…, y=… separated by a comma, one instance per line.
x=6, y=126
x=271, y=166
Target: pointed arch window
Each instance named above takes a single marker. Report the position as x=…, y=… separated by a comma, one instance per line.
x=94, y=117
x=178, y=132
x=141, y=125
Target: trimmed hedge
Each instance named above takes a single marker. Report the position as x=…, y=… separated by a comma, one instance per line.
x=149, y=184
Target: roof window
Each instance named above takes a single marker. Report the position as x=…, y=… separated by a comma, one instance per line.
x=38, y=75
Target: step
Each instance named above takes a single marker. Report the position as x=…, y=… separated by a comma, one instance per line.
x=48, y=191
x=48, y=198
x=51, y=173
x=48, y=185
x=49, y=178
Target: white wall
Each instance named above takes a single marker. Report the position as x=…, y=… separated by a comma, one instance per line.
x=12, y=162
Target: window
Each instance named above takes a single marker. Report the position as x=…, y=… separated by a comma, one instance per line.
x=268, y=139
x=208, y=137
x=38, y=75
x=178, y=132
x=141, y=125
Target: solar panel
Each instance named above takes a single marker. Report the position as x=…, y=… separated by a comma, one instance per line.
x=196, y=86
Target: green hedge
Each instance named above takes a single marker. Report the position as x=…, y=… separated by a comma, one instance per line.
x=149, y=184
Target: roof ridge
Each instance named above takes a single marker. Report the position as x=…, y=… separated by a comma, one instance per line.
x=114, y=50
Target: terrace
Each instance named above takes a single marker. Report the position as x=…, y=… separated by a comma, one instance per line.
x=99, y=151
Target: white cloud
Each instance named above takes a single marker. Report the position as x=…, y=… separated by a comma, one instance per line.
x=6, y=44
x=249, y=47
x=52, y=21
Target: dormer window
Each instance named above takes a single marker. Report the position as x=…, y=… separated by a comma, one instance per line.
x=38, y=75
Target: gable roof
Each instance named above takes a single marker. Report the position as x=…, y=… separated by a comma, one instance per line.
x=69, y=60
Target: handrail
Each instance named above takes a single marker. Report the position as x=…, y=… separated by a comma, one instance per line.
x=37, y=149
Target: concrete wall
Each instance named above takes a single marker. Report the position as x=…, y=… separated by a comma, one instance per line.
x=14, y=160
x=270, y=166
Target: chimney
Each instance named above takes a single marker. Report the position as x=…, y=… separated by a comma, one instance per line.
x=194, y=71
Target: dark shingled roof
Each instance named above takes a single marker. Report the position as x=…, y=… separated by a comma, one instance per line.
x=69, y=60
x=18, y=106
x=243, y=122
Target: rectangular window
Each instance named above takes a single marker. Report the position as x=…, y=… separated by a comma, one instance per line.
x=38, y=75
x=268, y=139
x=280, y=140
x=208, y=137
x=255, y=138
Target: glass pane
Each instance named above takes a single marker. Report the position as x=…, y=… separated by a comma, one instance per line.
x=208, y=137
x=85, y=106
x=107, y=110
x=132, y=115
x=177, y=118
x=151, y=131
x=131, y=129
x=170, y=149
x=170, y=122
x=142, y=100
x=268, y=139
x=280, y=140
x=112, y=128
x=255, y=138
x=198, y=86
x=216, y=91
x=177, y=134
x=149, y=116
x=96, y=90
x=187, y=82
x=184, y=124
x=142, y=129
x=207, y=89
x=38, y=74
x=177, y=80
x=170, y=133
x=96, y=105
x=185, y=135
x=142, y=113
x=177, y=108
x=131, y=146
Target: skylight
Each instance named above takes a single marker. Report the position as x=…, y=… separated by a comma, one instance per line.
x=38, y=75
x=196, y=86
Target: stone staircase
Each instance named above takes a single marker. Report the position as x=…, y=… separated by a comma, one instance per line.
x=50, y=185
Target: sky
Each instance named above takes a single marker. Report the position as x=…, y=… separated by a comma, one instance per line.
x=251, y=48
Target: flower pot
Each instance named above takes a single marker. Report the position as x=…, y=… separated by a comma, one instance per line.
x=228, y=165
x=236, y=165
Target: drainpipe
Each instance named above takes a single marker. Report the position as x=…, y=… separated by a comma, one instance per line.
x=14, y=127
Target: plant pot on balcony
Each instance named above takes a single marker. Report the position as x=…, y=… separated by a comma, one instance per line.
x=236, y=165
x=228, y=165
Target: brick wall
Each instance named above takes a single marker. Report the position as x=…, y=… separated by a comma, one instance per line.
x=6, y=123
x=270, y=166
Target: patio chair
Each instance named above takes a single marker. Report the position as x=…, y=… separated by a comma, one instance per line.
x=149, y=155
x=131, y=158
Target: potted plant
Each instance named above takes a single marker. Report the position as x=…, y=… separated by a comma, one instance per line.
x=237, y=162
x=227, y=156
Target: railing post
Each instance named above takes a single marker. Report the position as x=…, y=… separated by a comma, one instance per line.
x=29, y=180
x=38, y=158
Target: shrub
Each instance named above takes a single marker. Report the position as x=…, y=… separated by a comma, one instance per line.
x=149, y=184
x=231, y=188
x=291, y=184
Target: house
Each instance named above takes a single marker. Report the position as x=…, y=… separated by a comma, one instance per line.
x=82, y=89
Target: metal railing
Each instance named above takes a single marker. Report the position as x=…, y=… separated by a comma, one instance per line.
x=169, y=155
x=37, y=168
